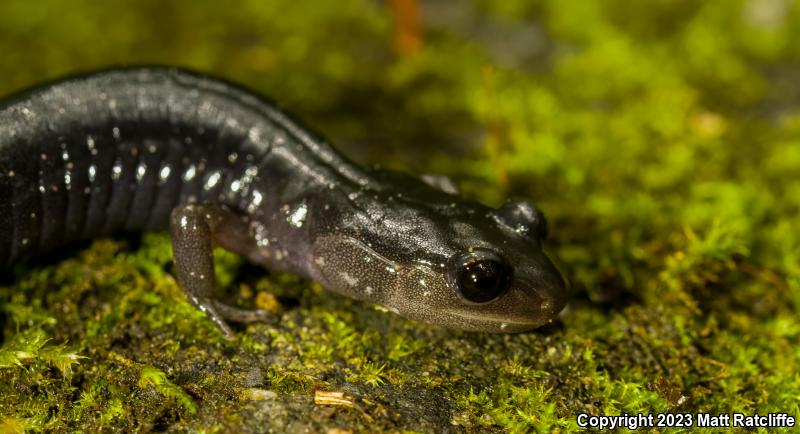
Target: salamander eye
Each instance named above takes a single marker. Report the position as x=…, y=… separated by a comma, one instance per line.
x=479, y=276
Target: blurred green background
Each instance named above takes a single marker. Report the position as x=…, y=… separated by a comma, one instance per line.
x=661, y=138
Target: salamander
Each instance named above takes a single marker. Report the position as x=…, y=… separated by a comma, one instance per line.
x=157, y=148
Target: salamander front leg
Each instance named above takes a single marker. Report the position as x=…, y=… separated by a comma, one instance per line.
x=194, y=228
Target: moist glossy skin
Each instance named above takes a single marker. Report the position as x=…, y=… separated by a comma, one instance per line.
x=159, y=148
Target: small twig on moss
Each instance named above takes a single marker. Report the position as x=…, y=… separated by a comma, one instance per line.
x=332, y=398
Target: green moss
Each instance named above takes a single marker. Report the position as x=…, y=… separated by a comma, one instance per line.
x=661, y=140
x=30, y=346
x=152, y=377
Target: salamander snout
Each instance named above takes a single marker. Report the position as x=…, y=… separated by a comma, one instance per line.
x=549, y=287
x=508, y=284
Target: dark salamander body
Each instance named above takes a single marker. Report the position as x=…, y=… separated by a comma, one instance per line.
x=159, y=148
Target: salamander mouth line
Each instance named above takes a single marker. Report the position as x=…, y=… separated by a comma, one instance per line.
x=491, y=319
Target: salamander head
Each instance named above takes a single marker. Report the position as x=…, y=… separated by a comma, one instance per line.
x=457, y=264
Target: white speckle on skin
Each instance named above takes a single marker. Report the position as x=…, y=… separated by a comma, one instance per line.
x=298, y=217
x=116, y=171
x=141, y=170
x=256, y=201
x=259, y=234
x=232, y=157
x=369, y=290
x=212, y=180
x=254, y=134
x=163, y=175
x=426, y=293
x=350, y=280
x=243, y=184
x=503, y=326
x=188, y=175
x=391, y=269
